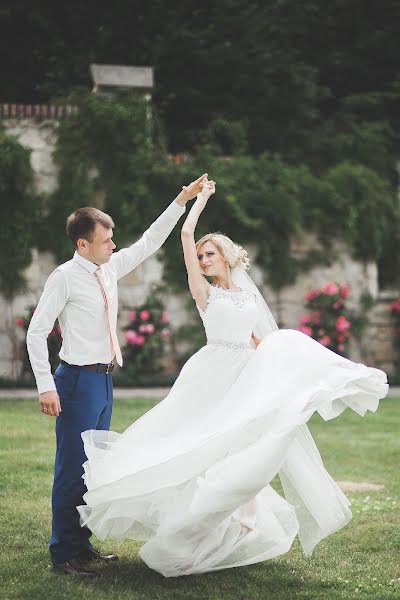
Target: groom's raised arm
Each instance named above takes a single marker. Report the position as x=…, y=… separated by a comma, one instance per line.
x=153, y=238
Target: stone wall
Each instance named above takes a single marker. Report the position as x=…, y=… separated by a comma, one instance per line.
x=40, y=136
x=375, y=348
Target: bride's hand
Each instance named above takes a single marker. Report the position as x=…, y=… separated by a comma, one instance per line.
x=193, y=189
x=208, y=190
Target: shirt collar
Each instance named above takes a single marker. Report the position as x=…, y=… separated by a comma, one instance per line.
x=85, y=263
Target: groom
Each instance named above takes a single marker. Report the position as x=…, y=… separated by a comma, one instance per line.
x=82, y=294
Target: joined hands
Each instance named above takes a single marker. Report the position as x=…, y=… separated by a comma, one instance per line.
x=207, y=190
x=201, y=187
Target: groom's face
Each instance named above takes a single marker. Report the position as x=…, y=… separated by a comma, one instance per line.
x=100, y=249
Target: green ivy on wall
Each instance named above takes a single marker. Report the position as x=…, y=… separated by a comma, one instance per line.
x=20, y=214
x=112, y=155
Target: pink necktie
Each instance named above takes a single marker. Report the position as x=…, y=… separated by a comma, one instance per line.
x=115, y=348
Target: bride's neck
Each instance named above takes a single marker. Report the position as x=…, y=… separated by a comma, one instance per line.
x=224, y=281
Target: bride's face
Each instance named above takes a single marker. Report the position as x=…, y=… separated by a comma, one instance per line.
x=211, y=261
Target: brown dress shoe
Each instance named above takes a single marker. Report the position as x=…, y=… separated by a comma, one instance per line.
x=91, y=554
x=74, y=567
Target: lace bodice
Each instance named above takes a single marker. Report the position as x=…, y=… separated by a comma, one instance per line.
x=229, y=317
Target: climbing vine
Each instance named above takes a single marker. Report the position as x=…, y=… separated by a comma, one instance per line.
x=19, y=216
x=112, y=155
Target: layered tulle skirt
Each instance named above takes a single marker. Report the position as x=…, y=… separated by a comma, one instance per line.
x=192, y=476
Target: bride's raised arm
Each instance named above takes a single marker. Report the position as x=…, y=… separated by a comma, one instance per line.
x=197, y=282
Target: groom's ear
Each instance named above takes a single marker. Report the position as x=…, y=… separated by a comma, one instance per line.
x=81, y=244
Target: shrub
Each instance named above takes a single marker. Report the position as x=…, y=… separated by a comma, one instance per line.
x=147, y=338
x=327, y=323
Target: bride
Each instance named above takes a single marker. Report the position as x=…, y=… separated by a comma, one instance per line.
x=192, y=477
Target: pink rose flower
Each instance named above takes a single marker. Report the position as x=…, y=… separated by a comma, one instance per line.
x=344, y=291
x=58, y=329
x=130, y=336
x=316, y=317
x=340, y=348
x=304, y=319
x=144, y=315
x=330, y=289
x=312, y=294
x=20, y=321
x=165, y=332
x=338, y=304
x=305, y=329
x=342, y=324
x=341, y=338
x=395, y=306
x=164, y=318
x=132, y=315
x=325, y=340
x=139, y=340
x=146, y=328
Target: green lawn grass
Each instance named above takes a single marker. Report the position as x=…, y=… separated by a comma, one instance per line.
x=361, y=561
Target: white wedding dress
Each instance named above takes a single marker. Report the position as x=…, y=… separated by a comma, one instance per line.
x=191, y=477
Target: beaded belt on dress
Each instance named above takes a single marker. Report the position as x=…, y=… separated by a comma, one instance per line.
x=227, y=344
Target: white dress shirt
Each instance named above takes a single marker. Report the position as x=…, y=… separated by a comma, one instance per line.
x=73, y=295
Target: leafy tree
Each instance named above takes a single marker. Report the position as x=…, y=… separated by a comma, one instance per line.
x=290, y=71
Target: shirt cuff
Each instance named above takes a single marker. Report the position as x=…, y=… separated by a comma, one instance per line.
x=175, y=209
x=46, y=384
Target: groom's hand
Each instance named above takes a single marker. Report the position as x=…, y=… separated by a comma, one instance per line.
x=190, y=191
x=49, y=403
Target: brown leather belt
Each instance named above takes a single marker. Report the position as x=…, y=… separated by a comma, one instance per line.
x=97, y=367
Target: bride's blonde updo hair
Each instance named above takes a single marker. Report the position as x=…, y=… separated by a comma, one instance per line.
x=234, y=254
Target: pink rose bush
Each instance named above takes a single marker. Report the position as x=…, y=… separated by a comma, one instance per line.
x=326, y=321
x=342, y=324
x=147, y=337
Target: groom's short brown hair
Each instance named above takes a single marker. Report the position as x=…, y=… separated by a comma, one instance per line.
x=82, y=223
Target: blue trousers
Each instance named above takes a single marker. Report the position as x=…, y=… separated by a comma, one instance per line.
x=86, y=403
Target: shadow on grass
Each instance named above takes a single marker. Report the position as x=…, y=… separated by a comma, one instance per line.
x=268, y=580
x=131, y=578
